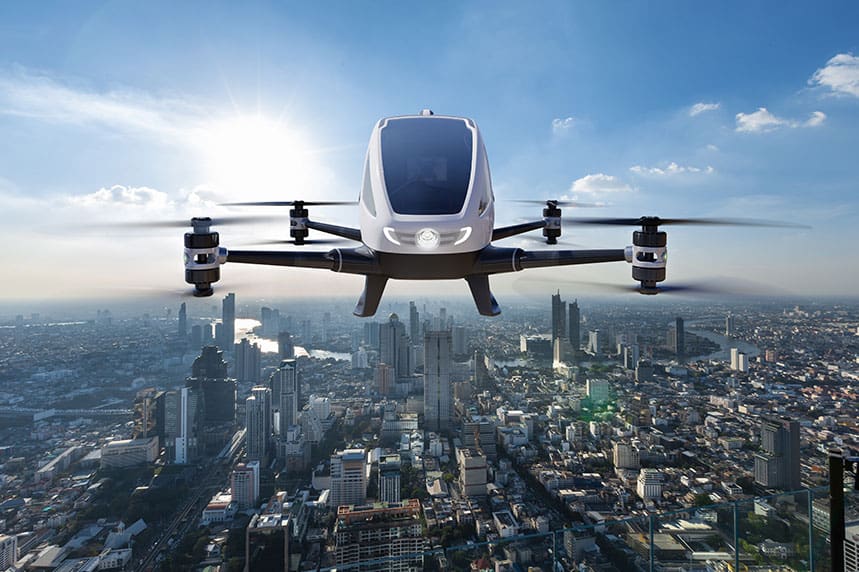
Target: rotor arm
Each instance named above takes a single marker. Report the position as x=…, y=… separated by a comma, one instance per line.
x=333, y=229
x=544, y=258
x=325, y=260
x=508, y=231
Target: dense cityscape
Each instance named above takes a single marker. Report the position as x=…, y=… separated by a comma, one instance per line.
x=562, y=435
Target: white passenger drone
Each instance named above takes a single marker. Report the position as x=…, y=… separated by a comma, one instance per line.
x=427, y=212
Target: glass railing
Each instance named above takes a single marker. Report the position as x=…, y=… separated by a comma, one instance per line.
x=779, y=533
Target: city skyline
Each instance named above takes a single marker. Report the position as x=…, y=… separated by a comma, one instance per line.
x=672, y=110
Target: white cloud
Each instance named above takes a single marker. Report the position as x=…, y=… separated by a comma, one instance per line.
x=711, y=147
x=670, y=170
x=702, y=107
x=121, y=195
x=762, y=121
x=817, y=118
x=841, y=75
x=599, y=183
x=759, y=121
x=42, y=98
x=562, y=125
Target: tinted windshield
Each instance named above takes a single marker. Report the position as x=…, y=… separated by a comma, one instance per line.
x=427, y=164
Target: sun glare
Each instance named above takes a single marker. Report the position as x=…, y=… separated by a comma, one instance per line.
x=250, y=156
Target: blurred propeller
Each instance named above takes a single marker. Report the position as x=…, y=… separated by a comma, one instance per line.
x=542, y=241
x=729, y=287
x=306, y=241
x=657, y=221
x=186, y=223
x=575, y=204
x=290, y=204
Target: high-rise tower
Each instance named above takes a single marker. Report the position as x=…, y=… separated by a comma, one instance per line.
x=285, y=386
x=574, y=325
x=183, y=321
x=559, y=318
x=258, y=423
x=437, y=389
x=247, y=362
x=228, y=322
x=778, y=467
x=216, y=406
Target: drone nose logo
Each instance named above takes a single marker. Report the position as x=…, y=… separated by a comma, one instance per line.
x=427, y=238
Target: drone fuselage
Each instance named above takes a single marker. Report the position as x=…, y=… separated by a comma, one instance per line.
x=426, y=191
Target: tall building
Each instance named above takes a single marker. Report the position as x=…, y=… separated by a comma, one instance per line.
x=414, y=323
x=460, y=340
x=216, y=405
x=574, y=325
x=729, y=325
x=383, y=536
x=244, y=484
x=247, y=362
x=285, y=345
x=183, y=321
x=258, y=423
x=371, y=334
x=270, y=320
x=394, y=347
x=478, y=433
x=228, y=322
x=472, y=472
x=285, y=385
x=626, y=456
x=594, y=342
x=384, y=379
x=389, y=478
x=437, y=389
x=8, y=551
x=679, y=337
x=598, y=390
x=649, y=484
x=778, y=466
x=186, y=448
x=559, y=317
x=348, y=477
x=851, y=548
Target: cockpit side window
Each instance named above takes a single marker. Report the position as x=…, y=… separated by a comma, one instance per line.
x=427, y=164
x=367, y=190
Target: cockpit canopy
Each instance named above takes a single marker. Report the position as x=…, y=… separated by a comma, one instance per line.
x=426, y=163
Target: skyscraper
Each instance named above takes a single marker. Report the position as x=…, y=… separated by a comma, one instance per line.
x=183, y=321
x=394, y=347
x=228, y=321
x=244, y=484
x=559, y=318
x=285, y=385
x=389, y=478
x=574, y=325
x=247, y=364
x=186, y=442
x=679, y=337
x=414, y=323
x=729, y=325
x=258, y=423
x=437, y=389
x=778, y=466
x=217, y=399
x=348, y=477
x=285, y=345
x=384, y=379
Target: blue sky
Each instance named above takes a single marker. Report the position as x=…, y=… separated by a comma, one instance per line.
x=122, y=111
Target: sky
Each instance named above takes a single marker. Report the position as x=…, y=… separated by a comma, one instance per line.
x=121, y=111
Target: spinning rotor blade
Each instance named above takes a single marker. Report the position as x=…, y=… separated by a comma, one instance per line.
x=186, y=223
x=575, y=204
x=657, y=221
x=290, y=203
x=708, y=287
x=542, y=241
x=306, y=241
